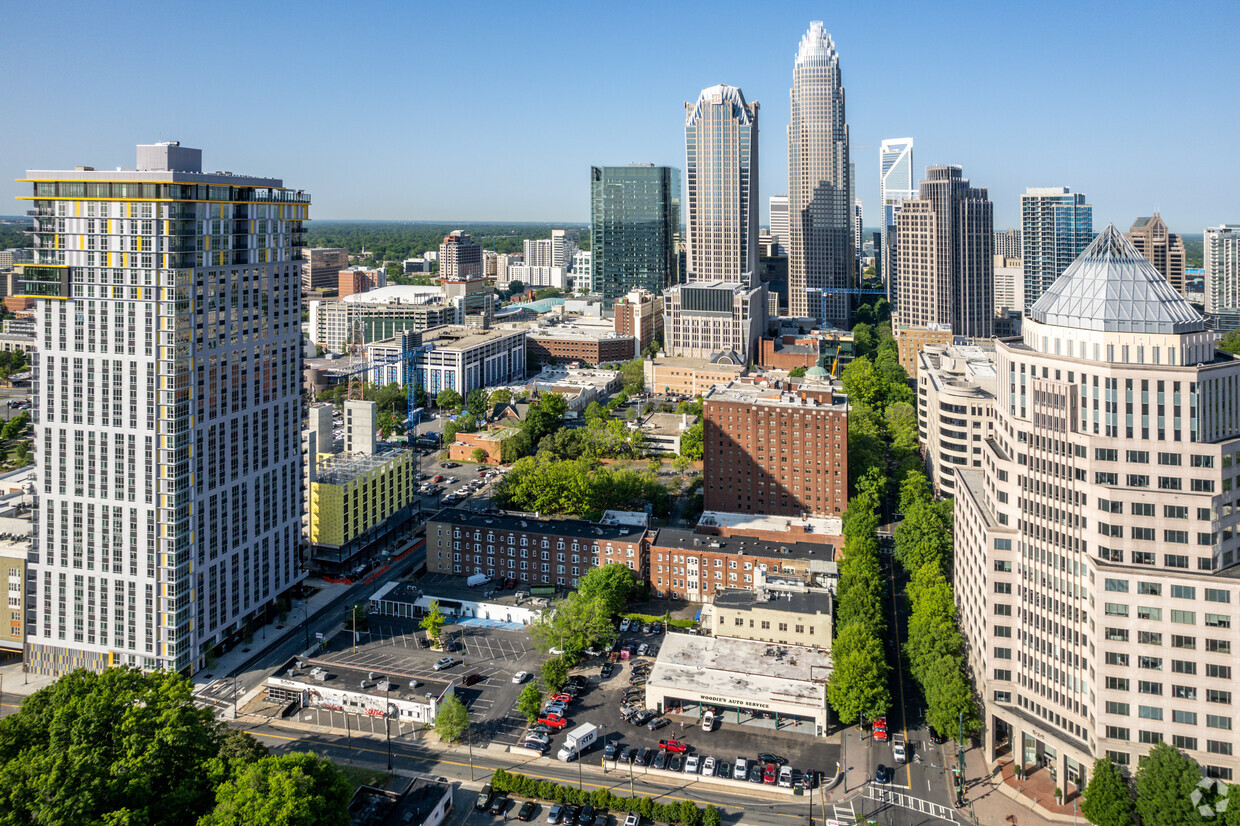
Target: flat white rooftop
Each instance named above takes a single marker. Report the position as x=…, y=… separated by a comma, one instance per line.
x=746, y=670
x=827, y=526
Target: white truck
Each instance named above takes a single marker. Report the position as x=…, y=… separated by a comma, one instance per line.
x=898, y=748
x=577, y=741
x=477, y=579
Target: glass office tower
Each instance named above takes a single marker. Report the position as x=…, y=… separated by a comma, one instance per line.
x=634, y=220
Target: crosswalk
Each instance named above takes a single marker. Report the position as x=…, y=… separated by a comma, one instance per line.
x=907, y=801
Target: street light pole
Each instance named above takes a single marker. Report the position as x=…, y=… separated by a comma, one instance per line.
x=387, y=721
x=469, y=739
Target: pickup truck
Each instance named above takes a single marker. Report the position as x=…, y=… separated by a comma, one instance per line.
x=898, y=749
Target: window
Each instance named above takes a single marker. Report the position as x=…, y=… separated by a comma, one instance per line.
x=1151, y=589
x=1115, y=609
x=1184, y=692
x=1147, y=687
x=1002, y=610
x=1102, y=454
x=1181, y=641
x=1120, y=709
x=1142, y=508
x=1149, y=712
x=1175, y=511
x=1218, y=721
x=1214, y=695
x=1003, y=587
x=1180, y=741
x=1183, y=592
x=1170, y=483
x=1119, y=758
x=1117, y=683
x=1138, y=481
x=1117, y=733
x=1221, y=672
x=1003, y=631
x=1003, y=696
x=1183, y=667
x=1169, y=459
x=1184, y=617
x=1218, y=646
x=1218, y=621
x=1202, y=461
x=1117, y=634
x=1003, y=674
x=1218, y=747
x=1151, y=663
x=1117, y=585
x=1152, y=738
x=1149, y=637
x=1140, y=457
x=1115, y=658
x=1143, y=534
x=1003, y=653
x=1203, y=485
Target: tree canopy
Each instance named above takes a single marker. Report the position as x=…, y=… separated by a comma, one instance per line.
x=123, y=747
x=1107, y=799
x=452, y=719
x=298, y=789
x=612, y=584
x=578, y=486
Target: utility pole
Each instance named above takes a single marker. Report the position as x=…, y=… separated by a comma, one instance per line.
x=387, y=721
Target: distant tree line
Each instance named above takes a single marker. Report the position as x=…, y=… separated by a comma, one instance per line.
x=398, y=240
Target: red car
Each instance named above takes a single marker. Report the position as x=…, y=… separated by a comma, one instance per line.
x=880, y=728
x=561, y=698
x=437, y=479
x=554, y=721
x=673, y=745
x=768, y=774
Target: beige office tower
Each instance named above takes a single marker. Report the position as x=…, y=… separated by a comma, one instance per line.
x=820, y=245
x=1163, y=249
x=944, y=265
x=167, y=410
x=721, y=169
x=1096, y=544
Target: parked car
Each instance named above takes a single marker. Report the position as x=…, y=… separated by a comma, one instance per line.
x=708, y=767
x=643, y=717
x=474, y=679
x=642, y=757
x=785, y=776
x=556, y=814
x=579, y=680
x=538, y=737
x=633, y=819
x=520, y=677
x=657, y=628
x=658, y=723
x=880, y=728
x=499, y=804
x=724, y=769
x=742, y=768
x=570, y=813
x=645, y=628
x=660, y=760
x=642, y=649
x=484, y=798
x=767, y=757
x=586, y=816
x=674, y=762
x=541, y=729
x=528, y=808
x=444, y=662
x=610, y=750
x=553, y=720
x=607, y=670
x=769, y=774
x=691, y=764
x=624, y=625
x=672, y=744
x=626, y=754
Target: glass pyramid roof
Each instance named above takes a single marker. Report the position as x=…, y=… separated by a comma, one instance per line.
x=1112, y=287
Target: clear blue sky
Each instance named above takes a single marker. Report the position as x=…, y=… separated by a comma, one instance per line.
x=495, y=111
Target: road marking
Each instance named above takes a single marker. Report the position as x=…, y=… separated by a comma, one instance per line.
x=915, y=804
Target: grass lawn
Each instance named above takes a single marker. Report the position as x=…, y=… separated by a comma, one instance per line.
x=358, y=777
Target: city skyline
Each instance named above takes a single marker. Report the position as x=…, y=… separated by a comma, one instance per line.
x=428, y=160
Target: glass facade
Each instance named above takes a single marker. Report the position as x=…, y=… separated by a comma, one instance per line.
x=1056, y=226
x=635, y=216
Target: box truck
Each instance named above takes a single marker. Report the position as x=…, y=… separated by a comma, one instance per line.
x=577, y=741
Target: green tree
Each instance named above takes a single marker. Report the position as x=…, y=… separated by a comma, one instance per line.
x=923, y=537
x=862, y=383
x=388, y=424
x=577, y=622
x=872, y=483
x=711, y=816
x=914, y=489
x=15, y=426
x=612, y=584
x=948, y=696
x=515, y=287
x=555, y=673
x=863, y=339
x=1232, y=816
x=477, y=402
x=1230, y=342
x=21, y=454
x=901, y=420
x=394, y=269
x=595, y=412
x=449, y=399
x=529, y=701
x=691, y=442
x=858, y=685
x=1165, y=779
x=452, y=719
x=480, y=455
x=501, y=396
x=432, y=623
x=796, y=372
x=299, y=789
x=237, y=746
x=117, y=747
x=681, y=463
x=633, y=374
x=1107, y=800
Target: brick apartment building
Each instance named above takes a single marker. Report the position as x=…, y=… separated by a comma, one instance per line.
x=563, y=347
x=640, y=315
x=776, y=450
x=357, y=280
x=528, y=549
x=688, y=565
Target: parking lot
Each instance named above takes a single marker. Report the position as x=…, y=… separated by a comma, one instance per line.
x=601, y=705
x=398, y=647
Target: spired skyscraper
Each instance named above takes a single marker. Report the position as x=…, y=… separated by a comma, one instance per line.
x=820, y=249
x=895, y=184
x=168, y=399
x=634, y=218
x=721, y=168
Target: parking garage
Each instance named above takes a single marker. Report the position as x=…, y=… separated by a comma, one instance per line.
x=747, y=682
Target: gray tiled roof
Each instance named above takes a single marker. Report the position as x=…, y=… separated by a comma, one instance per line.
x=1112, y=287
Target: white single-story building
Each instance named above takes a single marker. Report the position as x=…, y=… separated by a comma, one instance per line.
x=358, y=692
x=405, y=599
x=743, y=680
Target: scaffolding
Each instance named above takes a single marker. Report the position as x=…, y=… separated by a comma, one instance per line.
x=342, y=468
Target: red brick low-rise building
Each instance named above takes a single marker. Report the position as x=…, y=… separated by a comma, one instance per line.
x=529, y=549
x=788, y=353
x=563, y=346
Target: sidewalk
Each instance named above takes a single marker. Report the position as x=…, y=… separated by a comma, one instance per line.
x=994, y=795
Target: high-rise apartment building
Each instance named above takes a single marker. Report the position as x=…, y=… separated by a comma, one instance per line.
x=582, y=275
x=358, y=280
x=1221, y=256
x=634, y=221
x=321, y=265
x=1055, y=226
x=777, y=451
x=858, y=217
x=459, y=257
x=721, y=169
x=1163, y=249
x=167, y=437
x=945, y=266
x=1094, y=541
x=564, y=245
x=640, y=315
x=820, y=244
x=779, y=225
x=1007, y=243
x=538, y=252
x=896, y=185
